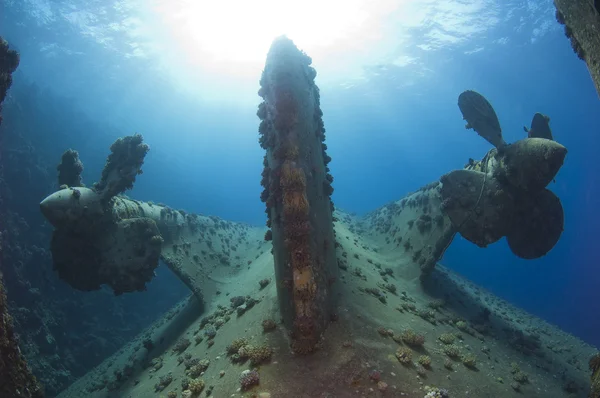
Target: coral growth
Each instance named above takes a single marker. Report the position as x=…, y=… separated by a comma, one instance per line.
x=470, y=361
x=249, y=379
x=424, y=361
x=122, y=166
x=595, y=368
x=198, y=369
x=452, y=350
x=264, y=283
x=404, y=355
x=9, y=61
x=434, y=392
x=181, y=345
x=447, y=338
x=163, y=382
x=16, y=379
x=70, y=169
x=240, y=350
x=411, y=338
x=268, y=325
x=196, y=386
x=235, y=345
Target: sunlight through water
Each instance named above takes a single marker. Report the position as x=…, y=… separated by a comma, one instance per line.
x=232, y=37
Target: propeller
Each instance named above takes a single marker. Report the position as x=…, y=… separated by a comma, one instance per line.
x=98, y=240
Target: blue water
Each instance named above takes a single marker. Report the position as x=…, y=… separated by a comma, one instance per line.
x=392, y=127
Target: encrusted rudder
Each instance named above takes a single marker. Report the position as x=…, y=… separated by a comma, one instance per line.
x=297, y=191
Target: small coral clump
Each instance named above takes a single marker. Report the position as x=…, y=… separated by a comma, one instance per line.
x=181, y=345
x=425, y=361
x=436, y=304
x=427, y=315
x=163, y=382
x=190, y=362
x=521, y=377
x=263, y=283
x=383, y=331
x=240, y=350
x=421, y=371
x=404, y=355
x=434, y=392
x=260, y=354
x=470, y=361
x=196, y=386
x=249, y=379
x=390, y=287
x=461, y=325
x=518, y=375
x=219, y=322
x=210, y=332
x=237, y=301
x=156, y=364
x=382, y=386
x=448, y=364
x=447, y=338
x=375, y=375
x=452, y=350
x=268, y=325
x=172, y=394
x=198, y=369
x=411, y=338
x=235, y=345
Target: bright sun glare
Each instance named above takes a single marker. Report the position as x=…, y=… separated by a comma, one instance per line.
x=232, y=37
x=241, y=31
